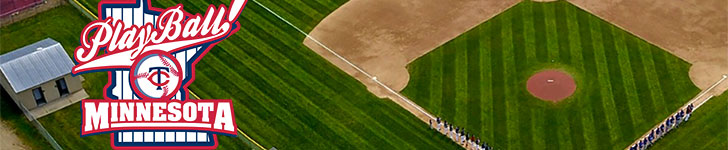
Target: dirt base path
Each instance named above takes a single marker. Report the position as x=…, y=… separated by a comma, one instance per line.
x=10, y=141
x=383, y=36
x=694, y=30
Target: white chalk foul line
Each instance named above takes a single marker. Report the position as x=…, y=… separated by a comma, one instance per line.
x=347, y=61
x=701, y=94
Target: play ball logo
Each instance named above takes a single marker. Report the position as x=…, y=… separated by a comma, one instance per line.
x=156, y=76
x=150, y=55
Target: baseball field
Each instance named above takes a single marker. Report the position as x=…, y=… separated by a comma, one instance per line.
x=478, y=80
x=285, y=95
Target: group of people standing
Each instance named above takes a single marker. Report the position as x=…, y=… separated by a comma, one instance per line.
x=458, y=135
x=665, y=127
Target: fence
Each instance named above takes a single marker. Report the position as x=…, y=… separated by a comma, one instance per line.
x=8, y=7
x=40, y=127
x=26, y=11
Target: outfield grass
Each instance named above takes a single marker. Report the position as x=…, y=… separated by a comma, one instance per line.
x=624, y=84
x=284, y=94
x=292, y=98
x=707, y=128
x=64, y=25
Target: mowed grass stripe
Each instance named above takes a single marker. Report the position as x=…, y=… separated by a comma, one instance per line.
x=706, y=128
x=585, y=121
x=631, y=99
x=287, y=108
x=436, y=83
x=474, y=114
x=615, y=82
x=499, y=115
x=519, y=57
x=282, y=116
x=539, y=129
x=487, y=132
x=559, y=55
x=519, y=49
x=539, y=21
x=300, y=73
x=664, y=77
x=255, y=122
x=673, y=64
x=601, y=115
x=421, y=96
x=563, y=31
x=653, y=79
x=327, y=107
x=643, y=92
x=575, y=38
x=511, y=97
x=302, y=7
x=448, y=83
x=676, y=64
x=294, y=16
x=323, y=89
x=529, y=33
x=608, y=106
x=564, y=129
x=314, y=11
x=323, y=7
x=666, y=66
x=461, y=81
x=594, y=94
x=552, y=39
x=333, y=4
x=308, y=9
x=276, y=81
x=576, y=129
x=253, y=115
x=323, y=118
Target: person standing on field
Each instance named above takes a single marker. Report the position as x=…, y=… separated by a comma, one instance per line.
x=431, y=127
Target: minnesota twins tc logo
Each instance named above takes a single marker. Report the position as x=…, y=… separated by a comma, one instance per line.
x=154, y=74
x=150, y=56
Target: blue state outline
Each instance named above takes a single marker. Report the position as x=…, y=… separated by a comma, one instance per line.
x=203, y=48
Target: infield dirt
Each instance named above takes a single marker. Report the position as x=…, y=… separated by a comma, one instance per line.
x=383, y=36
x=694, y=30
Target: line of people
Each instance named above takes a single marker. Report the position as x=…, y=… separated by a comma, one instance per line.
x=458, y=135
x=665, y=127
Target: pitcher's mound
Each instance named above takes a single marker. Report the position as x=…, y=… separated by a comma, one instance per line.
x=551, y=85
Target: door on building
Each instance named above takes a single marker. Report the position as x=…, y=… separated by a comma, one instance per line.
x=62, y=87
x=39, y=98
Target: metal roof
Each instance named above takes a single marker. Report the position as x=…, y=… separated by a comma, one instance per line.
x=35, y=64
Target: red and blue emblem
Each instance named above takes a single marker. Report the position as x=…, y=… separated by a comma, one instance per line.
x=150, y=55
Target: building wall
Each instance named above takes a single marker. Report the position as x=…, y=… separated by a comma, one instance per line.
x=6, y=85
x=50, y=91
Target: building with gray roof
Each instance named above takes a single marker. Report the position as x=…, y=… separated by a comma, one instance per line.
x=38, y=78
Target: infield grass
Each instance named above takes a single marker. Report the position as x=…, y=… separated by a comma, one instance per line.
x=285, y=95
x=478, y=80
